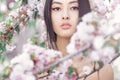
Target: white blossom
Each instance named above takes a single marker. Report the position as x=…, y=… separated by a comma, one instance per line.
x=30, y=13
x=98, y=42
x=65, y=65
x=40, y=8
x=11, y=5
x=10, y=47
x=87, y=70
x=24, y=60
x=108, y=51
x=71, y=49
x=21, y=76
x=94, y=56
x=3, y=8
x=14, y=14
x=1, y=68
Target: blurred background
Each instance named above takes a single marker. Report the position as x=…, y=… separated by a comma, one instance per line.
x=6, y=6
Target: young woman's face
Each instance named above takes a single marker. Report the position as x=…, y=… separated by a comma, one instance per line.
x=65, y=17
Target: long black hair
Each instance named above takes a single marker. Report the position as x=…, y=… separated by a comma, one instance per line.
x=84, y=7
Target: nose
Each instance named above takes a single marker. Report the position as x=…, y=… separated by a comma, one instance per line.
x=65, y=15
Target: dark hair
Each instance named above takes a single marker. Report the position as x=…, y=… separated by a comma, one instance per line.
x=84, y=7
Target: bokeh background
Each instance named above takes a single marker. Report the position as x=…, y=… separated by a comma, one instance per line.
x=6, y=6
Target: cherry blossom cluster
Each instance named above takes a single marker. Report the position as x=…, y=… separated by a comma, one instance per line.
x=16, y=22
x=101, y=33
x=33, y=59
x=98, y=29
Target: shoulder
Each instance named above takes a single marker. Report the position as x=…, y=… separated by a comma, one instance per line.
x=106, y=73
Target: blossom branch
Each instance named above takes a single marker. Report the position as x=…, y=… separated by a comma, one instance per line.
x=95, y=70
x=69, y=57
x=114, y=58
x=62, y=60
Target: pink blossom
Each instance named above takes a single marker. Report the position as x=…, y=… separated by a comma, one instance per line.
x=3, y=27
x=40, y=8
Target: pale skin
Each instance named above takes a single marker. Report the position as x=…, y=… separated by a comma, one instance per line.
x=65, y=17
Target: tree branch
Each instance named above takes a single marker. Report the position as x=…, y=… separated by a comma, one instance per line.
x=70, y=56
x=95, y=70
x=62, y=59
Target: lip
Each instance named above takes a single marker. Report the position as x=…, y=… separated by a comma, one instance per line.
x=65, y=25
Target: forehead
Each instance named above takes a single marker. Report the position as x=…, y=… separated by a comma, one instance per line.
x=65, y=1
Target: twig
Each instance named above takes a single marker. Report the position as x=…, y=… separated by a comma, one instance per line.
x=62, y=60
x=86, y=75
x=70, y=56
x=114, y=58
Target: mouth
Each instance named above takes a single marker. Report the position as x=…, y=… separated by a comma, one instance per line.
x=66, y=26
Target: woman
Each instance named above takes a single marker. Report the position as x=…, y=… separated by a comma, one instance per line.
x=61, y=18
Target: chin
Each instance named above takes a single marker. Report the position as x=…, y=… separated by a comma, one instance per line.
x=66, y=35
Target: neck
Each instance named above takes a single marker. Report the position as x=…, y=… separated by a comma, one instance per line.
x=62, y=44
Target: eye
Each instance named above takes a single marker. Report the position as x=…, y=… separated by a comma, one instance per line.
x=56, y=9
x=74, y=8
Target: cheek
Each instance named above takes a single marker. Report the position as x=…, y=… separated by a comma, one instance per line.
x=55, y=16
x=75, y=21
x=56, y=20
x=74, y=17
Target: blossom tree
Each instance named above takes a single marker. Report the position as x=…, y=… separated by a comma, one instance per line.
x=99, y=40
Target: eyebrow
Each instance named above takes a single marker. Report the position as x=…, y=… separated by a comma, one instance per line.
x=73, y=2
x=55, y=2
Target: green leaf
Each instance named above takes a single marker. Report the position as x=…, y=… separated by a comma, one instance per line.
x=17, y=29
x=32, y=23
x=34, y=40
x=100, y=64
x=108, y=43
x=2, y=46
x=2, y=17
x=11, y=39
x=8, y=22
x=9, y=36
x=35, y=14
x=0, y=34
x=71, y=71
x=7, y=70
x=2, y=58
x=42, y=44
x=24, y=2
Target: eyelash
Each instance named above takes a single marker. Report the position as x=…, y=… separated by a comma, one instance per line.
x=58, y=8
x=74, y=8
